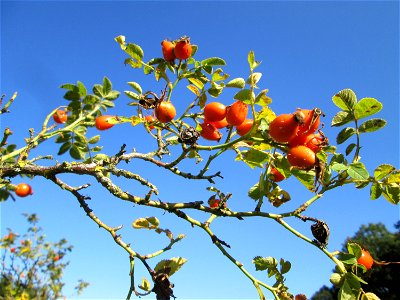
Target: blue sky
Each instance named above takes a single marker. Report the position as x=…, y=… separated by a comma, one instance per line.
x=309, y=51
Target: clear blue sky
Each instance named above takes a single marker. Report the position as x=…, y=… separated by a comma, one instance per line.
x=309, y=51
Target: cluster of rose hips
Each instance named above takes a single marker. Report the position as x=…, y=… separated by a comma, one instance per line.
x=179, y=49
x=217, y=116
x=299, y=132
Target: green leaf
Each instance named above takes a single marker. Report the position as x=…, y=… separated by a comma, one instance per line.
x=262, y=99
x=341, y=118
x=306, y=178
x=94, y=139
x=254, y=78
x=345, y=134
x=372, y=125
x=82, y=89
x=112, y=95
x=367, y=107
x=107, y=86
x=170, y=266
x=146, y=223
x=345, y=99
x=277, y=197
x=394, y=177
x=255, y=192
x=350, y=148
x=197, y=82
x=392, y=193
x=252, y=61
x=358, y=171
x=338, y=167
x=193, y=89
x=383, y=170
x=354, y=249
x=135, y=51
x=376, y=191
x=132, y=95
x=213, y=61
x=91, y=99
x=72, y=96
x=347, y=258
x=236, y=83
x=64, y=148
x=98, y=90
x=246, y=96
x=219, y=75
x=76, y=153
x=254, y=158
x=264, y=263
x=285, y=266
x=215, y=90
x=145, y=285
x=136, y=86
x=70, y=87
x=346, y=293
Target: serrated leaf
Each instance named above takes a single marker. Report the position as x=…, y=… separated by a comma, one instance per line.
x=354, y=249
x=376, y=191
x=392, y=193
x=255, y=192
x=197, y=82
x=254, y=78
x=135, y=51
x=236, y=83
x=145, y=285
x=193, y=89
x=107, y=86
x=358, y=171
x=76, y=153
x=345, y=134
x=264, y=263
x=98, y=90
x=346, y=293
x=367, y=107
x=219, y=75
x=202, y=100
x=285, y=266
x=346, y=99
x=213, y=61
x=254, y=158
x=347, y=258
x=252, y=61
x=134, y=63
x=91, y=99
x=267, y=114
x=350, y=148
x=72, y=96
x=94, y=139
x=383, y=170
x=394, y=177
x=277, y=197
x=339, y=167
x=64, y=148
x=112, y=95
x=262, y=99
x=306, y=178
x=170, y=266
x=69, y=86
x=372, y=125
x=341, y=118
x=132, y=95
x=82, y=89
x=136, y=86
x=246, y=96
x=215, y=90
